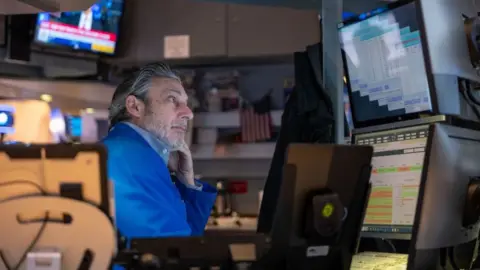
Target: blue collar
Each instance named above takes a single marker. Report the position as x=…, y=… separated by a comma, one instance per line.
x=162, y=149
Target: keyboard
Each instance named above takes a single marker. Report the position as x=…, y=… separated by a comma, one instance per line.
x=379, y=261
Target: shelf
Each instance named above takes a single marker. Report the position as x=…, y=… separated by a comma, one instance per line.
x=247, y=161
x=228, y=119
x=233, y=151
x=247, y=169
x=228, y=223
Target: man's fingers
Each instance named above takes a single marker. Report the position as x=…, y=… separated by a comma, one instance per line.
x=184, y=150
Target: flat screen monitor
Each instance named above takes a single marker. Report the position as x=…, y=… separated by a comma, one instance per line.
x=93, y=30
x=74, y=126
x=384, y=65
x=397, y=165
x=7, y=119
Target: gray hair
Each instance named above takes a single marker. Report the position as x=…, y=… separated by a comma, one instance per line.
x=137, y=84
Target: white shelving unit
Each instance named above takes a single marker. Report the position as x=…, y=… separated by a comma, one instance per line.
x=246, y=169
x=227, y=119
x=233, y=151
x=246, y=161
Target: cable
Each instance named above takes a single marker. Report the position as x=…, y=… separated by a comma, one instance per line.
x=40, y=232
x=25, y=182
x=463, y=92
x=453, y=261
x=30, y=247
x=390, y=243
x=382, y=247
x=471, y=96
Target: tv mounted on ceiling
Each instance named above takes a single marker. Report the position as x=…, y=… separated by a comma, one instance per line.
x=93, y=30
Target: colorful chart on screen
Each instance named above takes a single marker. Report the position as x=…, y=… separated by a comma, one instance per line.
x=397, y=168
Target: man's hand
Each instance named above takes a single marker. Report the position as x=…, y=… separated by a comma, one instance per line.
x=181, y=163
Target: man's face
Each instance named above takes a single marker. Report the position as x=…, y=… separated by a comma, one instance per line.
x=166, y=112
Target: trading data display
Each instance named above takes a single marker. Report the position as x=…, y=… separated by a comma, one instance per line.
x=385, y=65
x=397, y=168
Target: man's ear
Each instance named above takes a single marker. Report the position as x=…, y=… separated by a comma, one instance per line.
x=134, y=106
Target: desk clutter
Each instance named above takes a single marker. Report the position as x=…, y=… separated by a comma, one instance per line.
x=225, y=213
x=234, y=223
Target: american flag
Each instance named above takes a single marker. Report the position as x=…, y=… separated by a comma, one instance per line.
x=255, y=126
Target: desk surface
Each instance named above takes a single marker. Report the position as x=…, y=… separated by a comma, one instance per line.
x=379, y=261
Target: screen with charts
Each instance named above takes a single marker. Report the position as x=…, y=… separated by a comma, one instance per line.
x=385, y=64
x=397, y=168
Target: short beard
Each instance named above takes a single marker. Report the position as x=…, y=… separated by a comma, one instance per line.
x=159, y=129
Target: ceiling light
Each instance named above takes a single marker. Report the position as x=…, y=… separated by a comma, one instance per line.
x=46, y=97
x=89, y=110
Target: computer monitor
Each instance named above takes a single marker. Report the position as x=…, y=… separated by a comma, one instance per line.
x=7, y=119
x=321, y=206
x=77, y=171
x=448, y=211
x=383, y=57
x=74, y=126
x=55, y=201
x=397, y=165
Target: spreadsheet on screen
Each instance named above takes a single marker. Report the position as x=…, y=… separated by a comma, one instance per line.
x=397, y=165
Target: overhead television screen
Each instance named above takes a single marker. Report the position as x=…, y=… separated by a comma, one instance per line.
x=94, y=30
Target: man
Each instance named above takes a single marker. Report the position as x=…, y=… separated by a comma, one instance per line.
x=148, y=118
x=86, y=19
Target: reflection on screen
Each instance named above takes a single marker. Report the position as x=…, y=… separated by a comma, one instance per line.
x=385, y=65
x=397, y=167
x=348, y=111
x=95, y=29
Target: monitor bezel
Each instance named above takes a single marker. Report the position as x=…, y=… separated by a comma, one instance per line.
x=430, y=78
x=69, y=49
x=402, y=125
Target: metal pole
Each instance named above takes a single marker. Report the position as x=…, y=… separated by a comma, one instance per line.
x=332, y=62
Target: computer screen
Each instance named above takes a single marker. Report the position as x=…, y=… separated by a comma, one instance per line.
x=74, y=126
x=396, y=173
x=384, y=65
x=94, y=30
x=7, y=119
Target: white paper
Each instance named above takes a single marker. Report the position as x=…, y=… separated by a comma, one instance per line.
x=176, y=47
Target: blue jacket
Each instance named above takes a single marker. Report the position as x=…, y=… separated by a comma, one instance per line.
x=147, y=202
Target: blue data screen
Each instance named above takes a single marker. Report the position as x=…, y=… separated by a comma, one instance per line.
x=385, y=65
